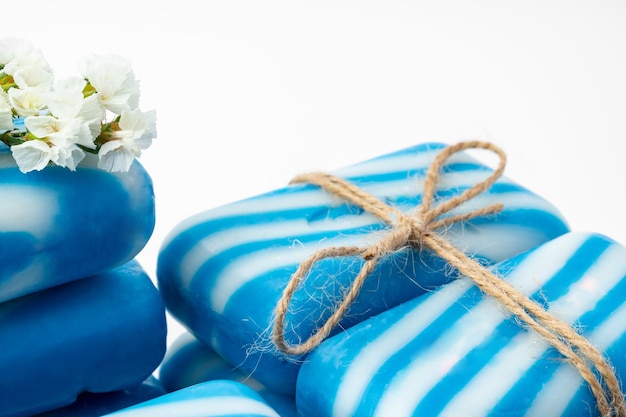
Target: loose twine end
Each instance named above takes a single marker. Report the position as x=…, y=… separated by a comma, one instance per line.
x=419, y=230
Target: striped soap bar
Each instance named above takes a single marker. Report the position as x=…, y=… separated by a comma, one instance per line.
x=57, y=225
x=189, y=362
x=221, y=272
x=219, y=398
x=99, y=334
x=456, y=352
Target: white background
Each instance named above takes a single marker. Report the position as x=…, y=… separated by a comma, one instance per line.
x=250, y=93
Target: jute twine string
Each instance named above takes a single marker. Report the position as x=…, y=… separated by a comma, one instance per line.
x=419, y=230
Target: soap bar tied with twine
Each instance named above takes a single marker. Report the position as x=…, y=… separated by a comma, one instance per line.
x=419, y=230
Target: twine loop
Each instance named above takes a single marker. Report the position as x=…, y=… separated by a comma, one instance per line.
x=419, y=230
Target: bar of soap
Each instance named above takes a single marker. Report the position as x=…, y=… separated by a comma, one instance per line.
x=219, y=398
x=222, y=271
x=95, y=405
x=457, y=352
x=99, y=334
x=189, y=362
x=57, y=225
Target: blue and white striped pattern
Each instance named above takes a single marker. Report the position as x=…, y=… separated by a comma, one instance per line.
x=57, y=225
x=455, y=352
x=219, y=398
x=222, y=271
x=99, y=334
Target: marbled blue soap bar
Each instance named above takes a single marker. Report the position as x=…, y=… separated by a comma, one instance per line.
x=57, y=225
x=95, y=405
x=99, y=334
x=456, y=352
x=219, y=398
x=222, y=271
x=189, y=362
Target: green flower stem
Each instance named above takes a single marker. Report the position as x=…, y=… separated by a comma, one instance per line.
x=89, y=150
x=12, y=137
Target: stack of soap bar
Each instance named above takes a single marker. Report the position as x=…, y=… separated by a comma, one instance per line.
x=95, y=405
x=457, y=352
x=189, y=362
x=219, y=398
x=222, y=272
x=77, y=312
x=98, y=334
x=57, y=225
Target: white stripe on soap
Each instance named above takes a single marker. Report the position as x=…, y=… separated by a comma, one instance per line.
x=250, y=267
x=360, y=372
x=202, y=407
x=221, y=241
x=482, y=394
x=407, y=390
x=264, y=203
x=314, y=197
x=559, y=391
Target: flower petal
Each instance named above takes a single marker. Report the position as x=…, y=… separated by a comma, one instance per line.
x=68, y=156
x=27, y=102
x=40, y=126
x=6, y=116
x=114, y=157
x=31, y=155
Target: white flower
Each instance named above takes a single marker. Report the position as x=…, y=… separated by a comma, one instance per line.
x=66, y=98
x=18, y=53
x=114, y=157
x=62, y=135
x=66, y=102
x=137, y=129
x=55, y=122
x=42, y=126
x=27, y=102
x=93, y=113
x=32, y=155
x=6, y=115
x=67, y=156
x=114, y=81
x=33, y=76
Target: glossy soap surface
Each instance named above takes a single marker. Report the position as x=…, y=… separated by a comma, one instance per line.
x=222, y=271
x=57, y=225
x=455, y=352
x=219, y=398
x=99, y=334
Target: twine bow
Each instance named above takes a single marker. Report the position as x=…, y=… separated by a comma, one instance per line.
x=419, y=230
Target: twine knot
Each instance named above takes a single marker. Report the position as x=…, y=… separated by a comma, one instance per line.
x=405, y=231
x=419, y=230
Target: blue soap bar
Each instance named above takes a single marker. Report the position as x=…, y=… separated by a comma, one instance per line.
x=457, y=352
x=219, y=398
x=189, y=362
x=99, y=334
x=222, y=272
x=57, y=225
x=95, y=405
